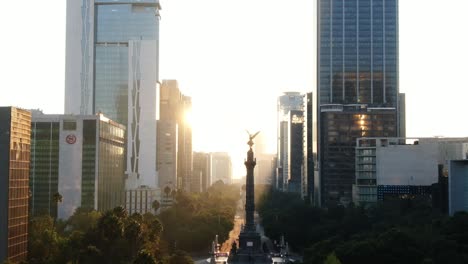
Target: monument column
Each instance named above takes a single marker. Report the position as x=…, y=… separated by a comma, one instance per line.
x=249, y=190
x=250, y=248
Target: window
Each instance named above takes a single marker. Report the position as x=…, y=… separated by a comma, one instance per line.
x=69, y=125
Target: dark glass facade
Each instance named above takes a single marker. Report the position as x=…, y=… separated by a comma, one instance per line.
x=88, y=164
x=397, y=192
x=308, y=163
x=44, y=167
x=15, y=143
x=286, y=102
x=339, y=132
x=357, y=86
x=358, y=52
x=295, y=149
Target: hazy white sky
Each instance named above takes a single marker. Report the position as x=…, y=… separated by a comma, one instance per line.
x=235, y=57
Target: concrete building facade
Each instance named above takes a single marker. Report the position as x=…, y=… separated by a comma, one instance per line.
x=167, y=158
x=201, y=178
x=174, y=107
x=389, y=164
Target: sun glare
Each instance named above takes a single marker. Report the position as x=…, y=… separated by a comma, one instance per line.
x=189, y=118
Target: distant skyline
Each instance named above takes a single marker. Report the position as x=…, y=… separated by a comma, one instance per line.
x=230, y=56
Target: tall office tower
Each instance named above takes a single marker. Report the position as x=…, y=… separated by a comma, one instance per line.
x=357, y=86
x=185, y=146
x=307, y=185
x=265, y=169
x=221, y=167
x=293, y=179
x=167, y=153
x=201, y=172
x=174, y=107
x=80, y=157
x=402, y=114
x=287, y=102
x=112, y=68
x=169, y=110
x=15, y=137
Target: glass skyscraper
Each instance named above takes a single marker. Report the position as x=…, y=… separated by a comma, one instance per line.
x=112, y=68
x=357, y=85
x=289, y=101
x=15, y=147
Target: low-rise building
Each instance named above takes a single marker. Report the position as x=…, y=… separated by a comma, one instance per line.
x=401, y=166
x=458, y=186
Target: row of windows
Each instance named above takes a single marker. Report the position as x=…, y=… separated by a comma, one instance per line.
x=20, y=211
x=119, y=23
x=18, y=251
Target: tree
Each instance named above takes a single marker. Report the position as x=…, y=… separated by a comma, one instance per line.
x=155, y=205
x=144, y=257
x=57, y=197
x=43, y=239
x=134, y=235
x=120, y=212
x=83, y=220
x=332, y=259
x=155, y=229
x=180, y=257
x=92, y=255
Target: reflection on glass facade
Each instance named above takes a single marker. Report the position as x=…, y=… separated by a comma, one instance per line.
x=357, y=86
x=88, y=164
x=111, y=165
x=15, y=139
x=358, y=52
x=118, y=22
x=44, y=167
x=339, y=133
x=295, y=149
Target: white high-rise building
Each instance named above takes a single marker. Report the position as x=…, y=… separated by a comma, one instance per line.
x=112, y=67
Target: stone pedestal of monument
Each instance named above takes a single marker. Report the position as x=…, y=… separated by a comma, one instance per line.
x=250, y=242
